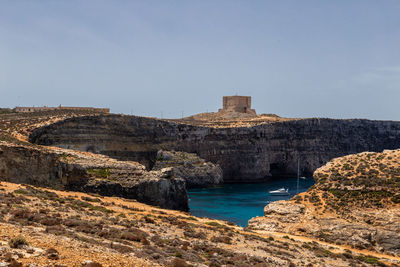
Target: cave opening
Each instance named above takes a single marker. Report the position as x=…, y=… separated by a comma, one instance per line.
x=278, y=169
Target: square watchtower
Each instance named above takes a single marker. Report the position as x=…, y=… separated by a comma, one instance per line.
x=236, y=103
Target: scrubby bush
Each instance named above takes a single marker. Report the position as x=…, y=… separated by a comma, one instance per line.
x=17, y=242
x=396, y=199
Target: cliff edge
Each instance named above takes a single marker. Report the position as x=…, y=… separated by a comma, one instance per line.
x=355, y=201
x=23, y=162
x=245, y=154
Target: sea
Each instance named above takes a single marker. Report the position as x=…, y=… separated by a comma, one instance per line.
x=240, y=202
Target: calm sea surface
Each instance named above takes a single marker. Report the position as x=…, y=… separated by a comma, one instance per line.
x=240, y=202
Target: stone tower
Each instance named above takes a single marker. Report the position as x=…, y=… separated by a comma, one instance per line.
x=236, y=103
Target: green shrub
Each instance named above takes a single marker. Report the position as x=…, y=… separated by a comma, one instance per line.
x=178, y=255
x=368, y=259
x=21, y=191
x=101, y=173
x=396, y=199
x=214, y=224
x=17, y=242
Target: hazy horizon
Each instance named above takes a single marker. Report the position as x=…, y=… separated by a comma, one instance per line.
x=337, y=59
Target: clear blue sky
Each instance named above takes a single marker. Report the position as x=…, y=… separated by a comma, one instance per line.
x=338, y=59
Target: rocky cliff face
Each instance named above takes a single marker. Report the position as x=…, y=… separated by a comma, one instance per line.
x=66, y=169
x=355, y=201
x=24, y=164
x=244, y=154
x=193, y=169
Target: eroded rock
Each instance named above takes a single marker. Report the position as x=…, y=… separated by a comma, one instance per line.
x=193, y=169
x=67, y=169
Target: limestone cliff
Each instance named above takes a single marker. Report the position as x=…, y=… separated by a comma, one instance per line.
x=355, y=201
x=244, y=153
x=194, y=170
x=66, y=169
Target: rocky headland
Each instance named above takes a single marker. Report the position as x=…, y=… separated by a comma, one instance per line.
x=87, y=172
x=22, y=162
x=355, y=202
x=245, y=154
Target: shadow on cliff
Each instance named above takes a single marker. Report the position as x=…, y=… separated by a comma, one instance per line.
x=245, y=154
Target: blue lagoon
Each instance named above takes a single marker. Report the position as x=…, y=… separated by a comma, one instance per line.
x=240, y=202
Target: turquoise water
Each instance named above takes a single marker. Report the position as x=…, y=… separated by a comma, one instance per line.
x=240, y=202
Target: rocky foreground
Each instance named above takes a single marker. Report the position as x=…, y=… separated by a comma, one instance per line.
x=355, y=202
x=43, y=227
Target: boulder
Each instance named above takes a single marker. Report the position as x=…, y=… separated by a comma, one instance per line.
x=284, y=211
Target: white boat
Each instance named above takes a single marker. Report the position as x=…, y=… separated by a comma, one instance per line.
x=279, y=192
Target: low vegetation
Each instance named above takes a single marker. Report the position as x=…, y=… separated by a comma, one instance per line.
x=367, y=180
x=162, y=237
x=100, y=173
x=18, y=242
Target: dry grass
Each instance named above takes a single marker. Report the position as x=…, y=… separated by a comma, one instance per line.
x=66, y=221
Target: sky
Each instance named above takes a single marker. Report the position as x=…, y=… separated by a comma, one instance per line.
x=337, y=59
